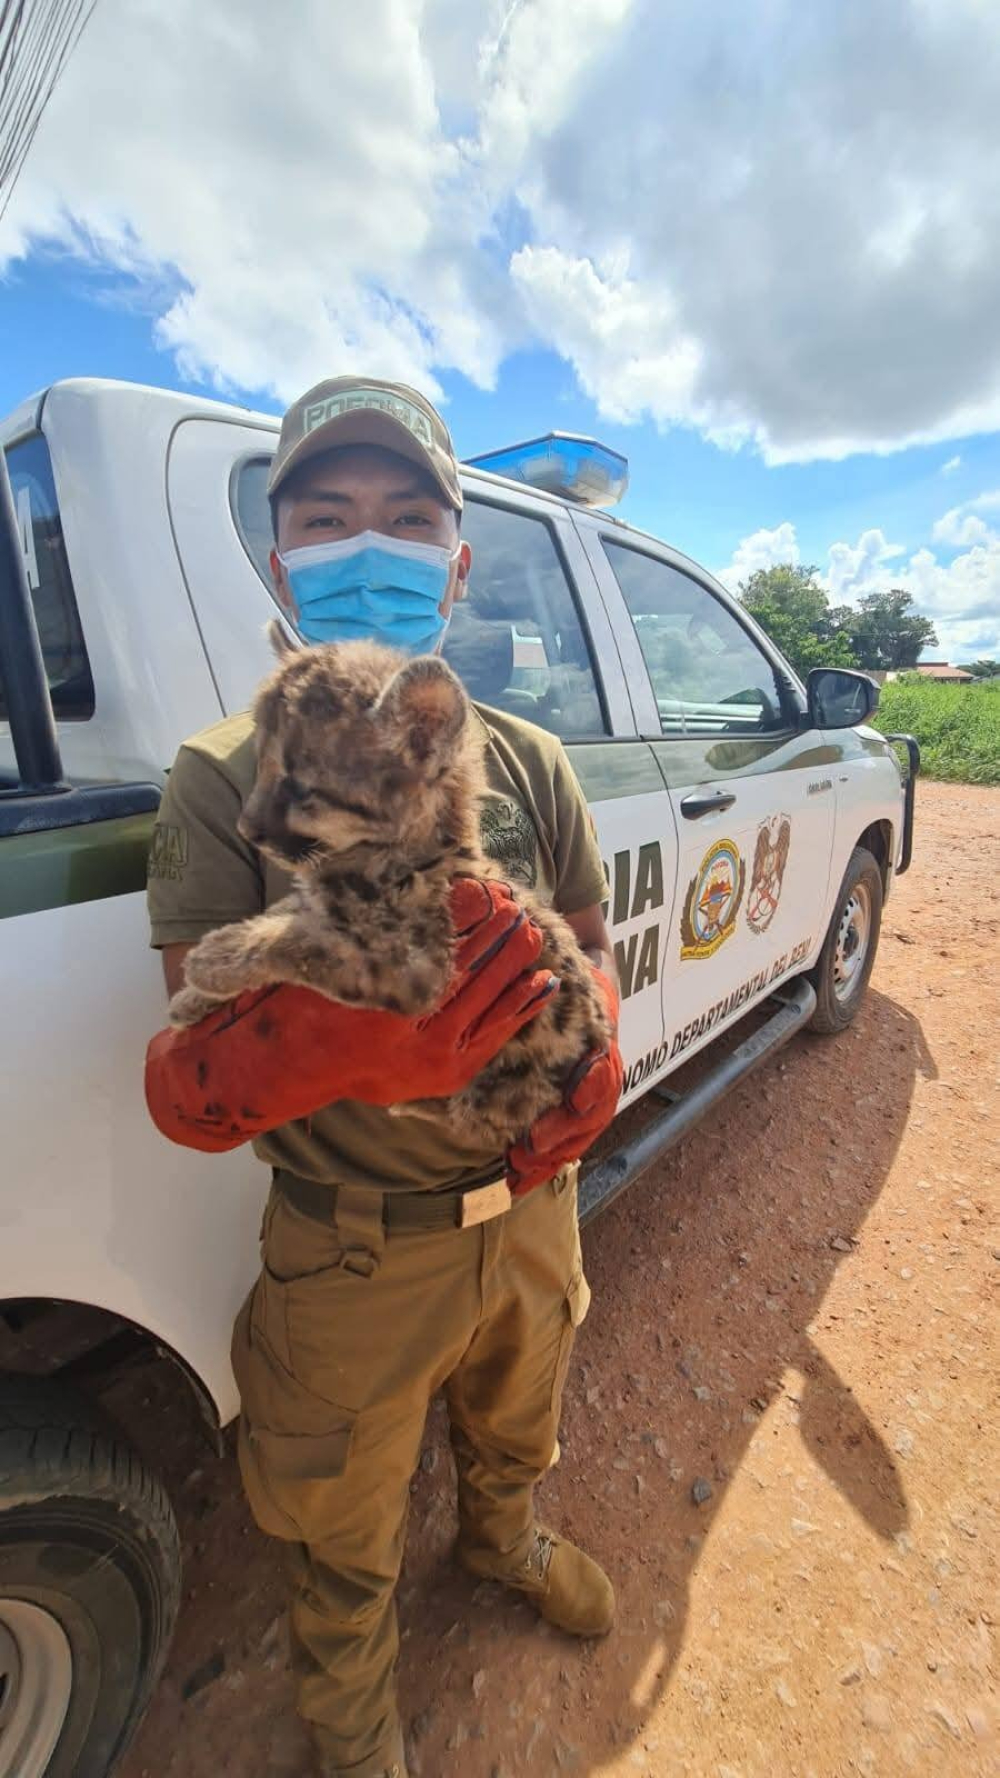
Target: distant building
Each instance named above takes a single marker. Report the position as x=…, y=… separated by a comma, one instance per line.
x=947, y=674
x=941, y=671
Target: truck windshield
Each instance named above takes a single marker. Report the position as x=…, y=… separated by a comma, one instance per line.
x=40, y=529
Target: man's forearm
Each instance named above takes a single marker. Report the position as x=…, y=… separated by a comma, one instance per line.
x=602, y=960
x=592, y=936
x=605, y=962
x=173, y=966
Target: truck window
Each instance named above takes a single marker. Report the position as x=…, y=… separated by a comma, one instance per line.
x=253, y=514
x=708, y=674
x=63, y=649
x=517, y=641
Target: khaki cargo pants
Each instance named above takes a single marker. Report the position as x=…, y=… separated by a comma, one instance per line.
x=347, y=1334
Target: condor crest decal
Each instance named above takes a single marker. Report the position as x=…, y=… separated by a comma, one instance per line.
x=774, y=838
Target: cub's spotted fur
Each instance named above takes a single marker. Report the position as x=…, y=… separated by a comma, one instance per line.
x=369, y=777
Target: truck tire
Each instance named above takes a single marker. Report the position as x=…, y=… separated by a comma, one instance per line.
x=90, y=1571
x=845, y=962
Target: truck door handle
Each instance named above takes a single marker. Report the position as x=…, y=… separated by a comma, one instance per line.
x=709, y=802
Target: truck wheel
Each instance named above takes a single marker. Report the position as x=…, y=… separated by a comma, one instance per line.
x=90, y=1572
x=845, y=962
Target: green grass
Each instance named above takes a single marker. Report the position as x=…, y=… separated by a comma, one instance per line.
x=958, y=727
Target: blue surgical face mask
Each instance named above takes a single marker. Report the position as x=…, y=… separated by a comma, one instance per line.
x=371, y=587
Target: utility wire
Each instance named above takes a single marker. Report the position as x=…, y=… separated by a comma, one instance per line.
x=46, y=31
x=37, y=38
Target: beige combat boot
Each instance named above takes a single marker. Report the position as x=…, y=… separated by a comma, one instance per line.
x=566, y=1586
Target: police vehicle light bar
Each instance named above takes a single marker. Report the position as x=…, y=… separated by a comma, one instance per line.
x=562, y=463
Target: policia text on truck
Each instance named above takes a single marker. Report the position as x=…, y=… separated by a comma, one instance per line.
x=751, y=828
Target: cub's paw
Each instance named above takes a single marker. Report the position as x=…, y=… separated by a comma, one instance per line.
x=189, y=1007
x=436, y=1111
x=220, y=965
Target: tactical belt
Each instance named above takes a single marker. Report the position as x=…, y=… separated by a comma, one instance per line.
x=402, y=1210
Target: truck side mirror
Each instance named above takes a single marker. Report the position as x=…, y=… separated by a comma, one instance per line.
x=840, y=699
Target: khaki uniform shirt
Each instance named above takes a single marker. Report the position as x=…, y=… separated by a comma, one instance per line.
x=535, y=824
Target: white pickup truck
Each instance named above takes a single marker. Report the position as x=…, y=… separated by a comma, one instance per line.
x=751, y=828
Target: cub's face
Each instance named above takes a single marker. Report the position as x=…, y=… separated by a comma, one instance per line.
x=352, y=746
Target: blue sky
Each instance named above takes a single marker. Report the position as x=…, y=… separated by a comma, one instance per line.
x=502, y=208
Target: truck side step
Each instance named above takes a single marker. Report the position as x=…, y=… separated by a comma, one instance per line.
x=603, y=1182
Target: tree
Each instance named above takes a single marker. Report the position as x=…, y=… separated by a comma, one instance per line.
x=791, y=606
x=886, y=631
x=983, y=669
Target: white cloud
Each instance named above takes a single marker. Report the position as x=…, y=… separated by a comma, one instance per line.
x=296, y=183
x=763, y=549
x=779, y=224
x=854, y=568
x=628, y=352
x=961, y=597
x=951, y=466
x=534, y=73
x=791, y=197
x=959, y=528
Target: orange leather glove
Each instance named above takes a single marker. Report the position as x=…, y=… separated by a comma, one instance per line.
x=283, y=1052
x=589, y=1104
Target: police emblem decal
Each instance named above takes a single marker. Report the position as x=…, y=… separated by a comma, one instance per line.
x=712, y=901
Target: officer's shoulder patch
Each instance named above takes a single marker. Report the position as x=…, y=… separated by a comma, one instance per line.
x=509, y=838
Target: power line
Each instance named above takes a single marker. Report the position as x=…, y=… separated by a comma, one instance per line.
x=37, y=38
x=42, y=35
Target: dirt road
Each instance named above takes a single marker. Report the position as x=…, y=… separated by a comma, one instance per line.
x=791, y=1309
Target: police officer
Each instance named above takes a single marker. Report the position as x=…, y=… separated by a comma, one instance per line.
x=397, y=1259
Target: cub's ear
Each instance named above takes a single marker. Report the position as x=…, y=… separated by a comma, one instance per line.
x=422, y=710
x=281, y=642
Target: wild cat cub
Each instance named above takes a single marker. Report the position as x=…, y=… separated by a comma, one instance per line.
x=369, y=776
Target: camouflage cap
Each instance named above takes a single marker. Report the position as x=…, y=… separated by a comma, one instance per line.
x=366, y=411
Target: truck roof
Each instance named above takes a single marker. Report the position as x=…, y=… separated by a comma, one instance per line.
x=104, y=393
